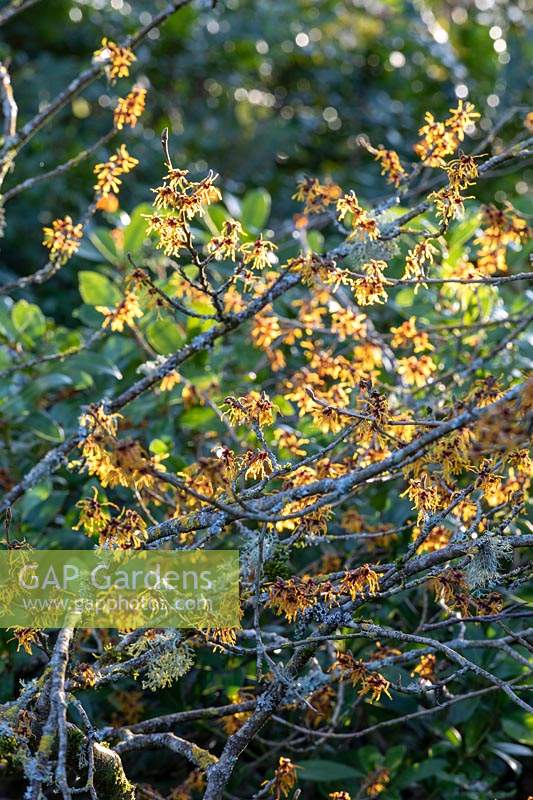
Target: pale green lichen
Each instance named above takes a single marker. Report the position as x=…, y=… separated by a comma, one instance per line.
x=203, y=758
x=167, y=667
x=110, y=781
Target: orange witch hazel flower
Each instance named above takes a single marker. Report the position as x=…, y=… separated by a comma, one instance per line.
x=357, y=581
x=377, y=782
x=284, y=778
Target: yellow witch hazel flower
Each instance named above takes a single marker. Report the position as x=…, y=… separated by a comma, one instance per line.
x=370, y=289
x=407, y=334
x=124, y=313
x=108, y=172
x=227, y=244
x=251, y=408
x=62, y=238
x=94, y=514
x=317, y=196
x=422, y=253
x=441, y=139
x=127, y=531
x=118, y=58
x=391, y=166
x=258, y=465
x=178, y=201
x=360, y=221
x=97, y=420
x=130, y=108
x=258, y=253
x=416, y=371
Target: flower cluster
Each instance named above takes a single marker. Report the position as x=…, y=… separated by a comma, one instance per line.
x=284, y=779
x=361, y=223
x=62, y=239
x=372, y=683
x=293, y=596
x=425, y=669
x=359, y=581
x=390, y=163
x=227, y=244
x=416, y=371
x=376, y=783
x=118, y=58
x=316, y=196
x=426, y=496
x=130, y=108
x=125, y=531
x=252, y=408
x=461, y=172
x=422, y=253
x=370, y=288
x=449, y=204
x=25, y=638
x=257, y=465
x=94, y=514
x=407, y=334
x=108, y=172
x=441, y=139
x=178, y=200
x=124, y=313
x=502, y=228
x=258, y=254
x=114, y=462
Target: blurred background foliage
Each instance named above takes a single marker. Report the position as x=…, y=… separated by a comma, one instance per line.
x=262, y=92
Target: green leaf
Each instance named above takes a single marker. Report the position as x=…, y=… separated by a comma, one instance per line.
x=315, y=240
x=395, y=756
x=214, y=218
x=255, y=209
x=283, y=404
x=197, y=417
x=135, y=231
x=520, y=730
x=318, y=770
x=97, y=290
x=28, y=319
x=102, y=240
x=459, y=235
x=431, y=768
x=164, y=336
x=405, y=297
x=159, y=447
x=453, y=736
x=43, y=426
